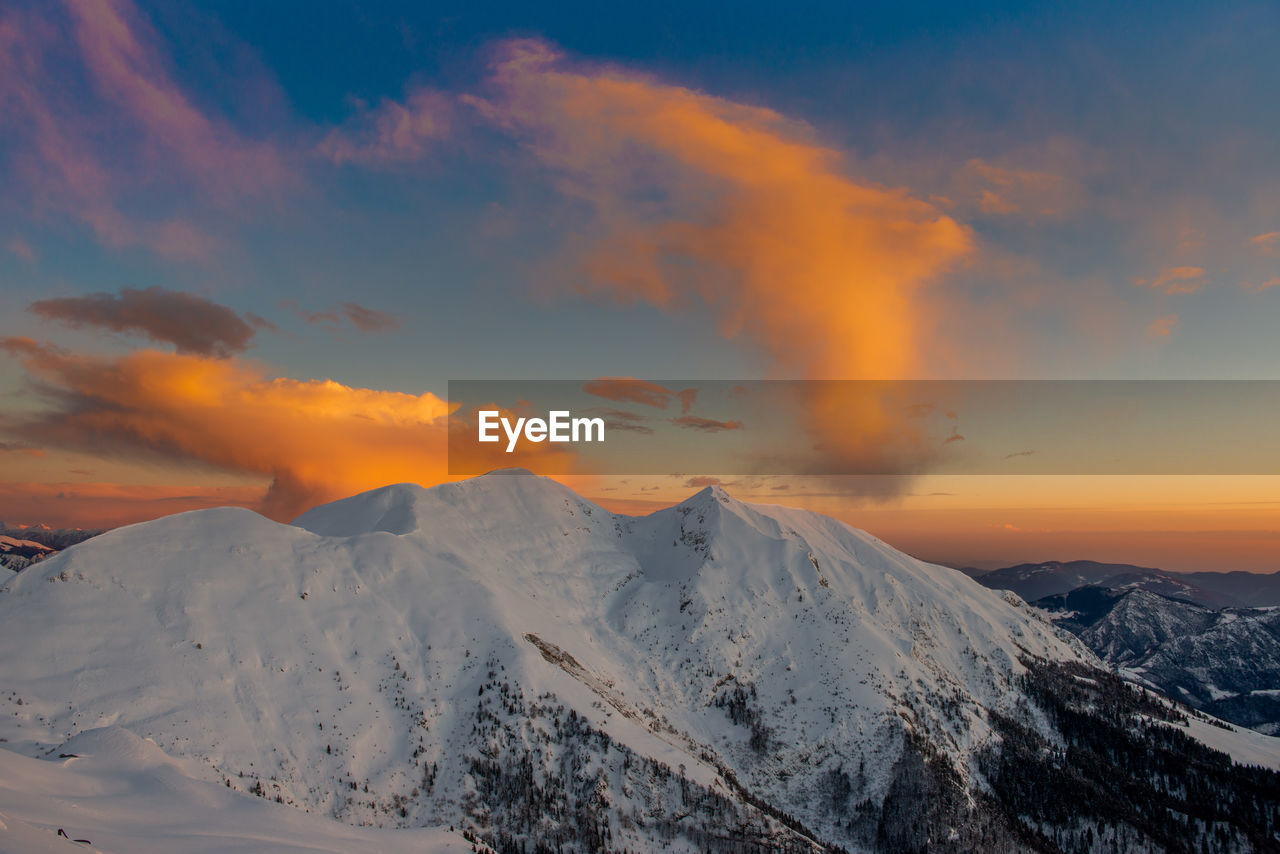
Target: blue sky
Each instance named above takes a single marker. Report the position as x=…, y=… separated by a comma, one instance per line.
x=1159, y=115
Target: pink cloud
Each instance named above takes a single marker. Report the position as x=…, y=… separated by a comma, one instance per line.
x=21, y=249
x=90, y=149
x=130, y=72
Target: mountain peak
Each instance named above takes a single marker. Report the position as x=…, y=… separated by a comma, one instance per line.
x=389, y=508
x=708, y=495
x=407, y=508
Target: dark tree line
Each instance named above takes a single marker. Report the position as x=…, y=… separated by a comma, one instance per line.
x=1124, y=773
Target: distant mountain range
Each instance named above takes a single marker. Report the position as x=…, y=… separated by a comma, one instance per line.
x=1034, y=581
x=1225, y=661
x=23, y=546
x=18, y=554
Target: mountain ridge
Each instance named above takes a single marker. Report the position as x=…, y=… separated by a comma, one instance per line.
x=1222, y=661
x=1034, y=581
x=507, y=656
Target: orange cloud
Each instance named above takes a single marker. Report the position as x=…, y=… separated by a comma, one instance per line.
x=1176, y=280
x=1268, y=244
x=1190, y=239
x=1261, y=286
x=701, y=197
x=316, y=439
x=1162, y=326
x=13, y=448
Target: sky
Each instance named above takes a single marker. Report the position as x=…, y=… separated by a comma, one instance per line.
x=244, y=246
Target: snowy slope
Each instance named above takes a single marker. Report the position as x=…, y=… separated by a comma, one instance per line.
x=501, y=653
x=123, y=794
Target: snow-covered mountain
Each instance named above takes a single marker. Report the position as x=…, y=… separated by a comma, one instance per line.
x=1225, y=661
x=1034, y=581
x=108, y=790
x=504, y=656
x=45, y=535
x=1247, y=589
x=16, y=554
x=21, y=547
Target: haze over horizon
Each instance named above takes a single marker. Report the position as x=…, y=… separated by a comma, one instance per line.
x=243, y=249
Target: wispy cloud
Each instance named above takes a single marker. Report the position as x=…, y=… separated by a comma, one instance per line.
x=1259, y=287
x=363, y=318
x=1009, y=191
x=1268, y=243
x=90, y=150
x=632, y=390
x=1162, y=327
x=621, y=419
x=706, y=425
x=22, y=250
x=1176, y=280
x=128, y=68
x=393, y=132
x=369, y=319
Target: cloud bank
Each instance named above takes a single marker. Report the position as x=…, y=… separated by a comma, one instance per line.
x=316, y=440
